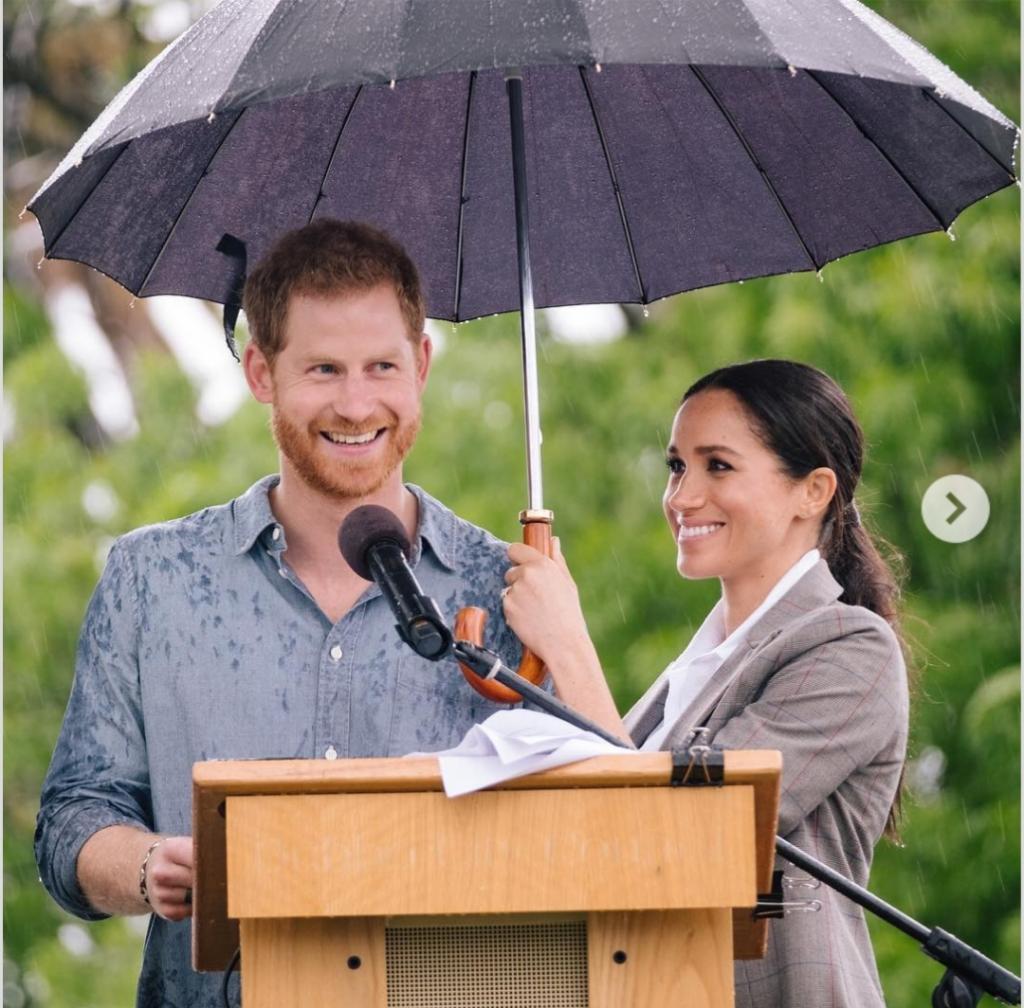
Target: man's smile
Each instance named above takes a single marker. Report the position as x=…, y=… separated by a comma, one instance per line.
x=353, y=439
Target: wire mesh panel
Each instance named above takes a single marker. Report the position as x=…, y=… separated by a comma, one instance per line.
x=535, y=965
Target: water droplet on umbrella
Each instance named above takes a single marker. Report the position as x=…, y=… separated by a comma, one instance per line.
x=647, y=313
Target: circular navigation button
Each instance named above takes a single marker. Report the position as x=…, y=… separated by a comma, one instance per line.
x=955, y=508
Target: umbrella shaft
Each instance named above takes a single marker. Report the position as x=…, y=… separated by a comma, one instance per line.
x=531, y=397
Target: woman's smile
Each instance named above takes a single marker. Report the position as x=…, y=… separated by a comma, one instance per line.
x=689, y=533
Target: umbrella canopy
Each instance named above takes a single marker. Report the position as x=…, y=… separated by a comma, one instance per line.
x=670, y=146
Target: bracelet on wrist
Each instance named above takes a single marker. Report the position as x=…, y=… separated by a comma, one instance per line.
x=143, y=885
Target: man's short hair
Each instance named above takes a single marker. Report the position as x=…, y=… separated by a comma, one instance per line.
x=325, y=258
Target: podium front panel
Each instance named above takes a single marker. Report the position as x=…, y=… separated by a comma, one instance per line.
x=368, y=855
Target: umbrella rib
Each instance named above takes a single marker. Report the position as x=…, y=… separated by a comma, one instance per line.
x=753, y=157
x=334, y=150
x=615, y=186
x=462, y=197
x=927, y=92
x=892, y=164
x=184, y=206
x=81, y=202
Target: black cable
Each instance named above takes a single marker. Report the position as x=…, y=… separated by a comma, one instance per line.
x=227, y=977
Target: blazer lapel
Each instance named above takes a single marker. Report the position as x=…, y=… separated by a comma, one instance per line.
x=647, y=713
x=816, y=588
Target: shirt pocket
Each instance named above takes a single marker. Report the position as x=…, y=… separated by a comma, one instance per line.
x=434, y=706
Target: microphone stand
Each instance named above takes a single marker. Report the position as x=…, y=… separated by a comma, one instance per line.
x=969, y=974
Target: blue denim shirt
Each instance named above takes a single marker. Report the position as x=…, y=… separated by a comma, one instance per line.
x=201, y=643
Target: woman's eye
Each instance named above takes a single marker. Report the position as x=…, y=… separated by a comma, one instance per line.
x=675, y=466
x=717, y=465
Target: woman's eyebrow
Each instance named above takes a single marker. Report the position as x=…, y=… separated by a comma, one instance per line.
x=708, y=449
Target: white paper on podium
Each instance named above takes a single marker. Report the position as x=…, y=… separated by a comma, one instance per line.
x=514, y=743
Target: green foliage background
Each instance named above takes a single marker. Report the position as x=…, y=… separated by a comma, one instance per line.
x=923, y=335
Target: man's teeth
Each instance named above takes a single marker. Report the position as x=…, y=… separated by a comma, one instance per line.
x=352, y=438
x=698, y=530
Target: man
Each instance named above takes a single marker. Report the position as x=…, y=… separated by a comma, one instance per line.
x=239, y=631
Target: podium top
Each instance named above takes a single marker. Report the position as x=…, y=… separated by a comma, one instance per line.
x=215, y=782
x=350, y=776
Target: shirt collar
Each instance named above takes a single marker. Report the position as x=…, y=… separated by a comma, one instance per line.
x=711, y=639
x=252, y=513
x=437, y=524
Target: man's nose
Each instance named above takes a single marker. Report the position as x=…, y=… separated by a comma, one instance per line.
x=355, y=399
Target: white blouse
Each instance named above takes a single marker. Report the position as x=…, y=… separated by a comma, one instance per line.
x=710, y=648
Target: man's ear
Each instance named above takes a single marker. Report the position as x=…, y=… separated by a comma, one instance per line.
x=819, y=489
x=424, y=356
x=258, y=373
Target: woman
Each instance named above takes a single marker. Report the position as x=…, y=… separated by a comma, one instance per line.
x=802, y=653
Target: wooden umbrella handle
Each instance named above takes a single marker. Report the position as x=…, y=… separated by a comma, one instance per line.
x=470, y=622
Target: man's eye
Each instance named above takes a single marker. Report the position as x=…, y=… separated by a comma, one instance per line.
x=325, y=369
x=384, y=366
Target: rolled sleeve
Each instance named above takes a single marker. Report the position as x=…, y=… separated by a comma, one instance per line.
x=98, y=776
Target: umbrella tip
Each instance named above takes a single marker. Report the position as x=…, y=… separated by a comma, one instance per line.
x=792, y=70
x=949, y=233
x=39, y=265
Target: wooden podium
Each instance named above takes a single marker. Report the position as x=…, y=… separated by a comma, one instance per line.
x=358, y=884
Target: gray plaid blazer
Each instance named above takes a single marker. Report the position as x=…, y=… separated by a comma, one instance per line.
x=825, y=683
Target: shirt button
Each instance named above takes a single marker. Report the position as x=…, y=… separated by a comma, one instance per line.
x=331, y=753
x=336, y=653
x=276, y=534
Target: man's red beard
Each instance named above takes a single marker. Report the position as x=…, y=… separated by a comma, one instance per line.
x=336, y=478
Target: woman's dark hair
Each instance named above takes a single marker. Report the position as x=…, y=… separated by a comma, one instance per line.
x=804, y=418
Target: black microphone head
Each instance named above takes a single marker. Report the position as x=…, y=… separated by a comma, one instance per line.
x=365, y=527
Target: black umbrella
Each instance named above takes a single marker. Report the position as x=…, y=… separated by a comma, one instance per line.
x=663, y=146
x=670, y=146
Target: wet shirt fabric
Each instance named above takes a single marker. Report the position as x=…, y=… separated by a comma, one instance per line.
x=201, y=643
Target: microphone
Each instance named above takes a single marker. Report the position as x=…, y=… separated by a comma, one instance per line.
x=375, y=545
